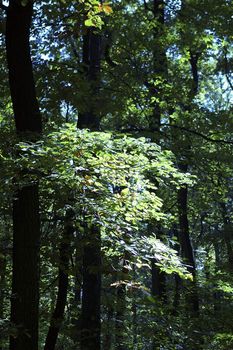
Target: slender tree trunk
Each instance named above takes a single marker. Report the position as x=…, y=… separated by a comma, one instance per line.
x=3, y=267
x=159, y=66
x=134, y=324
x=91, y=61
x=186, y=246
x=178, y=280
x=63, y=282
x=120, y=336
x=26, y=220
x=182, y=195
x=120, y=328
x=108, y=339
x=185, y=242
x=227, y=234
x=91, y=292
x=134, y=315
x=158, y=288
x=90, y=313
x=217, y=293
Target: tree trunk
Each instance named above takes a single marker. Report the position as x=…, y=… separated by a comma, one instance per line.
x=120, y=336
x=185, y=242
x=178, y=280
x=108, y=338
x=182, y=195
x=158, y=288
x=90, y=313
x=91, y=292
x=91, y=61
x=22, y=86
x=63, y=282
x=26, y=220
x=227, y=234
x=3, y=272
x=160, y=70
x=120, y=312
x=159, y=67
x=25, y=283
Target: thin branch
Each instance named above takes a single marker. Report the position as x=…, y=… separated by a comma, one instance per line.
x=194, y=132
x=205, y=137
x=229, y=81
x=226, y=68
x=146, y=6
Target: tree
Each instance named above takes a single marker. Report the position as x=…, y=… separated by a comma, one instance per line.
x=117, y=209
x=26, y=219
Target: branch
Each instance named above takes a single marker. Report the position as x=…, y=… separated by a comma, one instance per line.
x=147, y=8
x=205, y=137
x=226, y=69
x=229, y=81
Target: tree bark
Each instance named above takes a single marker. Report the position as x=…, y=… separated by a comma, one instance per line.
x=227, y=234
x=120, y=336
x=25, y=280
x=91, y=62
x=3, y=272
x=158, y=287
x=26, y=219
x=63, y=283
x=182, y=196
x=91, y=292
x=186, y=246
x=22, y=86
x=185, y=242
x=120, y=329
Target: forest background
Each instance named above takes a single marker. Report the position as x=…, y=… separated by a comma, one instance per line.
x=116, y=175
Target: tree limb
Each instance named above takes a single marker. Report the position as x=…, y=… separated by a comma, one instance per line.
x=194, y=132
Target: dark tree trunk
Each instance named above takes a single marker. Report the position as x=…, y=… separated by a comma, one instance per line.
x=178, y=280
x=108, y=338
x=184, y=236
x=182, y=195
x=25, y=283
x=159, y=66
x=3, y=272
x=134, y=323
x=63, y=282
x=91, y=292
x=26, y=221
x=186, y=246
x=90, y=313
x=120, y=336
x=120, y=324
x=91, y=62
x=22, y=86
x=227, y=234
x=158, y=288
x=217, y=293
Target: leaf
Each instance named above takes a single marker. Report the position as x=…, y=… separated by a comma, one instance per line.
x=89, y=23
x=107, y=8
